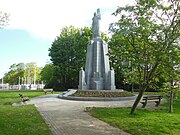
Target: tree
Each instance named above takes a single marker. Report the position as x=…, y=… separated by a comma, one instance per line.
x=23, y=71
x=4, y=18
x=150, y=30
x=68, y=53
x=171, y=83
x=32, y=73
x=16, y=71
x=117, y=50
x=172, y=88
x=47, y=75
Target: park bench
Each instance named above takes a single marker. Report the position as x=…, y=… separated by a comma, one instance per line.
x=153, y=98
x=48, y=90
x=23, y=99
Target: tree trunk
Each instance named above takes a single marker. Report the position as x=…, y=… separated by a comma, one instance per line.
x=171, y=102
x=132, y=89
x=141, y=91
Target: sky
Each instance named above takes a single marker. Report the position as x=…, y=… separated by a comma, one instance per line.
x=34, y=24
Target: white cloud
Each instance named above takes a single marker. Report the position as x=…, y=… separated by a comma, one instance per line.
x=45, y=18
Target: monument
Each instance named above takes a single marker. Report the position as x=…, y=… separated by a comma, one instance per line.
x=97, y=74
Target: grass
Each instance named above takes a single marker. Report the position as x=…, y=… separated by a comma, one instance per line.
x=143, y=122
x=20, y=120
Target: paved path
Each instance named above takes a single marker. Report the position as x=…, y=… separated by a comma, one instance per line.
x=67, y=117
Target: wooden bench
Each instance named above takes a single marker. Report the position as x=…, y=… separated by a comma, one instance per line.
x=48, y=90
x=23, y=99
x=153, y=98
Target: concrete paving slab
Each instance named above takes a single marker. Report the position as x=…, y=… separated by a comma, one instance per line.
x=67, y=117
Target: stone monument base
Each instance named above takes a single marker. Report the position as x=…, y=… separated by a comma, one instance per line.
x=68, y=95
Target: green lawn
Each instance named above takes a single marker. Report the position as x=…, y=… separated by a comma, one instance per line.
x=20, y=120
x=143, y=122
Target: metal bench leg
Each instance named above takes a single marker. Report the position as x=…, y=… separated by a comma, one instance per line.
x=157, y=103
x=144, y=104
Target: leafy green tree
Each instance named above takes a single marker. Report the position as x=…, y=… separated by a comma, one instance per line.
x=172, y=88
x=15, y=71
x=171, y=82
x=68, y=52
x=47, y=75
x=150, y=30
x=32, y=73
x=117, y=49
x=22, y=70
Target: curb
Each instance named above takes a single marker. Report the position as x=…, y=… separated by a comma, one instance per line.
x=96, y=98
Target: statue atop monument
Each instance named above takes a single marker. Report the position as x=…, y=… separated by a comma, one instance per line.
x=95, y=24
x=97, y=74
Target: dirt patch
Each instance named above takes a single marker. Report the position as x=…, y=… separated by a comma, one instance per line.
x=101, y=94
